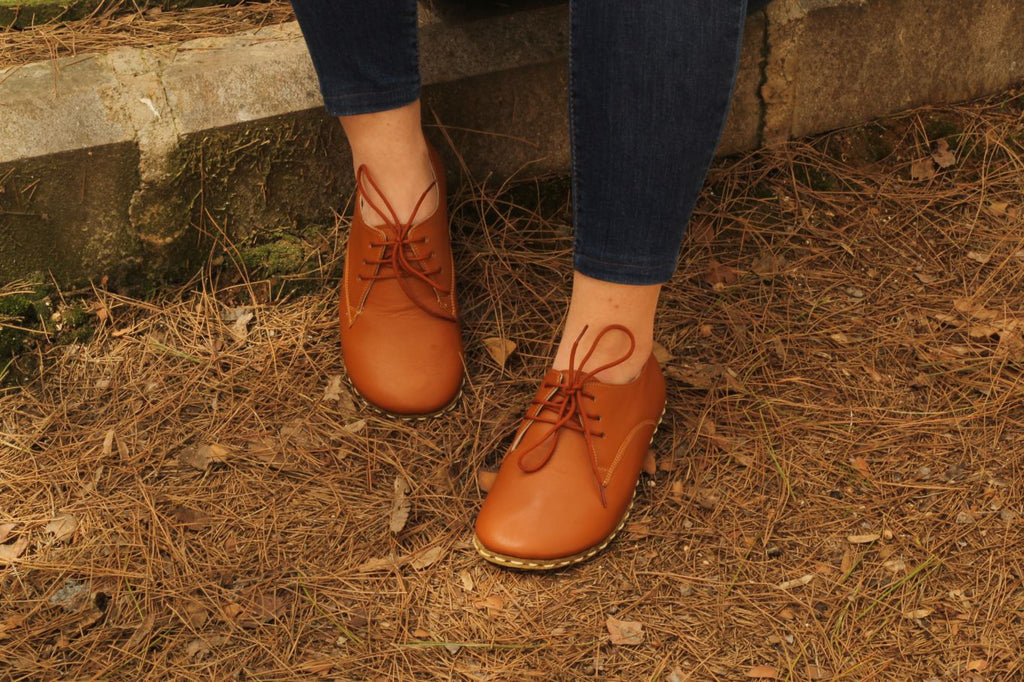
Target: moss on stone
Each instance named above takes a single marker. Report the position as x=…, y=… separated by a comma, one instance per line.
x=280, y=257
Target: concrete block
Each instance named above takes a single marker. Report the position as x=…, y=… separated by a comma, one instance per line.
x=66, y=215
x=743, y=128
x=833, y=63
x=55, y=107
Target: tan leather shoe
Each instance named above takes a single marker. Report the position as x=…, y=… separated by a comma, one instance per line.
x=566, y=486
x=400, y=334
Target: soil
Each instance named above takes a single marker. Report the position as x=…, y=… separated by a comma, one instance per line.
x=836, y=491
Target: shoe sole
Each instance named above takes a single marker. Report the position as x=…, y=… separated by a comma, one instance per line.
x=406, y=417
x=554, y=564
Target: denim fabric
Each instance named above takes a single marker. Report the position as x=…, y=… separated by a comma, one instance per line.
x=650, y=83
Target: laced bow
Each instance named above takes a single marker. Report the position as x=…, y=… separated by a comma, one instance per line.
x=399, y=258
x=566, y=404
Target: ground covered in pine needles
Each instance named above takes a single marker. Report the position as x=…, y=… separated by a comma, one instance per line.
x=836, y=493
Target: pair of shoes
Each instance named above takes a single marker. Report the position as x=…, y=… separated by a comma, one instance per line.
x=566, y=486
x=400, y=332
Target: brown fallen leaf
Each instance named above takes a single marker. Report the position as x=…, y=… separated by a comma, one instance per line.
x=203, y=456
x=401, y=505
x=9, y=553
x=485, y=479
x=491, y=603
x=864, y=539
x=467, y=580
x=978, y=665
x=815, y=672
x=763, y=672
x=62, y=527
x=5, y=531
x=661, y=354
x=196, y=614
x=718, y=275
x=142, y=632
x=942, y=155
x=333, y=390
x=860, y=465
x=378, y=564
x=917, y=614
x=200, y=646
x=424, y=558
x=925, y=278
x=923, y=169
x=767, y=265
x=1002, y=209
x=499, y=349
x=650, y=463
x=108, y=443
x=625, y=632
x=239, y=319
x=797, y=582
x=192, y=519
x=979, y=256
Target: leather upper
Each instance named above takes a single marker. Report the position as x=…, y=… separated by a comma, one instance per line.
x=400, y=332
x=578, y=495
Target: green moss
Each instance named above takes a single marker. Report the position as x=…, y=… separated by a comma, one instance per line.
x=281, y=257
x=18, y=312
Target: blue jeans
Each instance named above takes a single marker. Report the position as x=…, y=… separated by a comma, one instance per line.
x=650, y=83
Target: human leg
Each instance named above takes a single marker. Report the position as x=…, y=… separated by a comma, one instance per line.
x=399, y=325
x=650, y=88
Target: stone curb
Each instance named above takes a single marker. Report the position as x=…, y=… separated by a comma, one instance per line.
x=130, y=164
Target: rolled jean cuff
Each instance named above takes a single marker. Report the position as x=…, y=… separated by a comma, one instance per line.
x=623, y=273
x=371, y=102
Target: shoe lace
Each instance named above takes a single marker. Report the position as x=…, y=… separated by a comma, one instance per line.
x=563, y=408
x=399, y=259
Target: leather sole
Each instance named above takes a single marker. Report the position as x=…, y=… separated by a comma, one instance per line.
x=406, y=417
x=562, y=562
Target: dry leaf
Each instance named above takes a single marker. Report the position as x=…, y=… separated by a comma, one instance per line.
x=492, y=604
x=798, y=582
x=239, y=319
x=650, y=463
x=467, y=580
x=499, y=349
x=979, y=257
x=62, y=527
x=763, y=672
x=485, y=479
x=978, y=665
x=142, y=632
x=108, y=443
x=10, y=553
x=925, y=278
x=661, y=353
x=201, y=646
x=202, y=457
x=916, y=614
x=942, y=155
x=862, y=539
x=355, y=427
x=625, y=632
x=193, y=519
x=374, y=565
x=718, y=275
x=860, y=465
x=401, y=505
x=815, y=672
x=421, y=560
x=333, y=390
x=5, y=531
x=196, y=615
x=767, y=265
x=923, y=169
